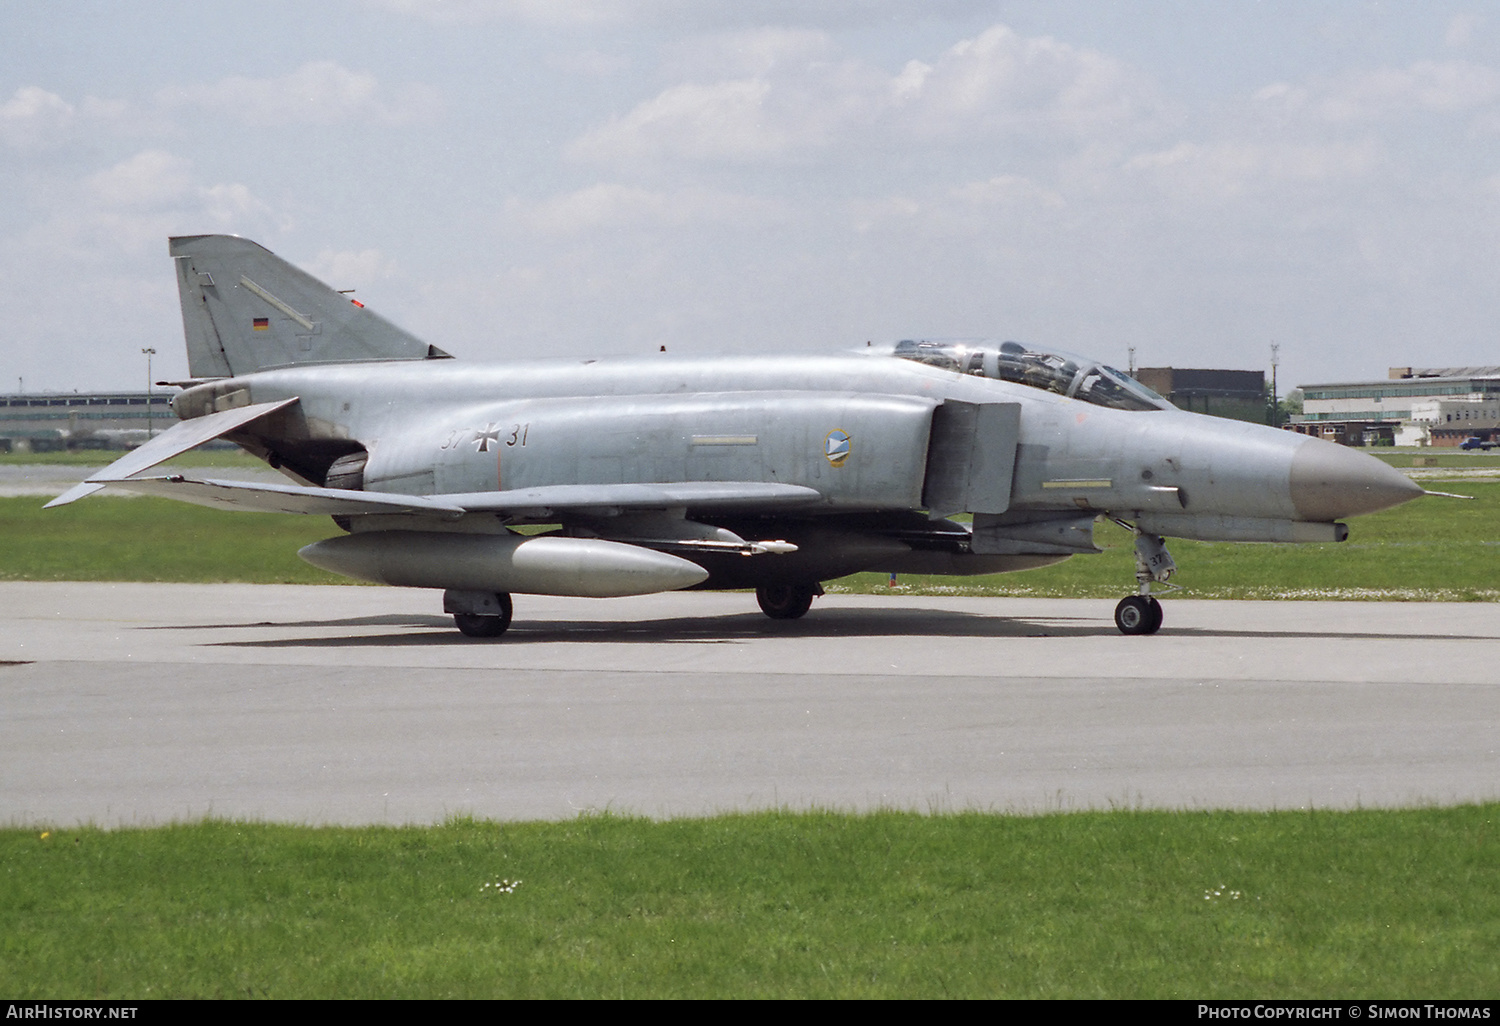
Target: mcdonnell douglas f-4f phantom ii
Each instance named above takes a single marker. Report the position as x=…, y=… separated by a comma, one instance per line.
x=725, y=472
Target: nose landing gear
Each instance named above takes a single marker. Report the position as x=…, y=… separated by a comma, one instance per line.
x=1141, y=613
x=1138, y=614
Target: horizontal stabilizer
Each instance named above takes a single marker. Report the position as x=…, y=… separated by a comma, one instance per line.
x=174, y=441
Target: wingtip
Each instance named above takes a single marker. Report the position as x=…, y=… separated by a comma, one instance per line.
x=73, y=494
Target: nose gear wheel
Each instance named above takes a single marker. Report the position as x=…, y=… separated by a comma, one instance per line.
x=1138, y=614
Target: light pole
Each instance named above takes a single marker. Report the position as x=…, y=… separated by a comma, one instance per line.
x=148, y=353
x=1275, y=402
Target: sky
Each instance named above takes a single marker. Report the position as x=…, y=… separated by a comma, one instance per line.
x=523, y=179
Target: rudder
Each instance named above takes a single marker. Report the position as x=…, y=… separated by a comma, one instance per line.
x=244, y=309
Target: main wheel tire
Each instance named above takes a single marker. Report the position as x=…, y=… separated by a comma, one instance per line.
x=1138, y=614
x=1156, y=614
x=785, y=601
x=473, y=625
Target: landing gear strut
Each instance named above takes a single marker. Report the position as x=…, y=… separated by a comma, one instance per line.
x=478, y=614
x=786, y=601
x=1141, y=613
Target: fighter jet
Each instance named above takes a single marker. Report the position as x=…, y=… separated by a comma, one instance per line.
x=577, y=476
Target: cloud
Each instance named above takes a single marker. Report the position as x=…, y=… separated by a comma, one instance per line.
x=1462, y=28
x=746, y=52
x=588, y=14
x=1236, y=167
x=1003, y=80
x=151, y=178
x=34, y=118
x=574, y=13
x=790, y=99
x=154, y=181
x=1007, y=190
x=717, y=121
x=1441, y=87
x=611, y=206
x=348, y=268
x=231, y=206
x=1002, y=204
x=319, y=92
x=133, y=205
x=107, y=230
x=590, y=63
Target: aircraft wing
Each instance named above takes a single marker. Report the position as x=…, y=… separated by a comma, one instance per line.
x=599, y=500
x=279, y=498
x=174, y=441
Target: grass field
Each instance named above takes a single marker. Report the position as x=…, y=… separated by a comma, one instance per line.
x=1431, y=549
x=1118, y=904
x=1458, y=459
x=99, y=458
x=142, y=539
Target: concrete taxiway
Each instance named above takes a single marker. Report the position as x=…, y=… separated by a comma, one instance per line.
x=138, y=703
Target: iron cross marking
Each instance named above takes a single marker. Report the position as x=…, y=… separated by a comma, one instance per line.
x=491, y=433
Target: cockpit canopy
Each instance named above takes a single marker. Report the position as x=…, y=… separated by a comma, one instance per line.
x=1077, y=377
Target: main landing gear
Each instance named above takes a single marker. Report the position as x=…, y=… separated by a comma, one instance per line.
x=1141, y=613
x=478, y=614
x=787, y=601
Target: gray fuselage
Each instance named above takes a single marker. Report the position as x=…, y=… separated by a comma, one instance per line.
x=446, y=426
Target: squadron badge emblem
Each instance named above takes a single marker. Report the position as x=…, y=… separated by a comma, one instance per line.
x=836, y=447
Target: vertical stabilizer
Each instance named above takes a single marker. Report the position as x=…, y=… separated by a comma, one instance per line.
x=245, y=309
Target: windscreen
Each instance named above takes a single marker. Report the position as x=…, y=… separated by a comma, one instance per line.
x=1050, y=370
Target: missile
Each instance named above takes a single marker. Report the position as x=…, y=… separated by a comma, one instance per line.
x=546, y=565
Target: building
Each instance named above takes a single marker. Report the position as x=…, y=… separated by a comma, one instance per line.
x=1418, y=405
x=1236, y=394
x=1457, y=424
x=50, y=421
x=1447, y=422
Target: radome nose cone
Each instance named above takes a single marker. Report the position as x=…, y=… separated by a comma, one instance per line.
x=1330, y=481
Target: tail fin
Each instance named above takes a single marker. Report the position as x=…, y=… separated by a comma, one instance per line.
x=245, y=309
